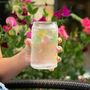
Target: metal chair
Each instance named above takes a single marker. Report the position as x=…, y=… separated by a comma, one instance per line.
x=49, y=84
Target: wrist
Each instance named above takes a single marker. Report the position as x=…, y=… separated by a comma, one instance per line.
x=23, y=58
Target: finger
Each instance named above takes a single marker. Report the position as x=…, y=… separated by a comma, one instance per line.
x=51, y=69
x=59, y=40
x=59, y=59
x=59, y=49
x=28, y=42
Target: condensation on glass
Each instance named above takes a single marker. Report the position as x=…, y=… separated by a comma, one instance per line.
x=44, y=43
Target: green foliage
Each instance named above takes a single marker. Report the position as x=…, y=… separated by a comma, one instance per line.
x=32, y=11
x=72, y=60
x=45, y=14
x=84, y=38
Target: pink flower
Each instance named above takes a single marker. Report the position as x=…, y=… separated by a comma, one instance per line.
x=30, y=25
x=28, y=1
x=34, y=20
x=65, y=11
x=23, y=0
x=63, y=32
x=22, y=21
x=29, y=34
x=87, y=30
x=42, y=19
x=4, y=44
x=58, y=14
x=23, y=5
x=24, y=12
x=19, y=20
x=85, y=49
x=46, y=4
x=11, y=21
x=14, y=15
x=7, y=28
x=85, y=22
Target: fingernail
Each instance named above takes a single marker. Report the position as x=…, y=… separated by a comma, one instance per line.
x=59, y=48
x=59, y=59
x=59, y=40
x=52, y=69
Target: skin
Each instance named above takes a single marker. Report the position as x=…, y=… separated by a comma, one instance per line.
x=12, y=66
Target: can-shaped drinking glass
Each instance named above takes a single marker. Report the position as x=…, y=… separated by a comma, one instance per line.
x=44, y=43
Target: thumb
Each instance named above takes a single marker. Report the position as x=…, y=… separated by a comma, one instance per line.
x=28, y=42
x=27, y=45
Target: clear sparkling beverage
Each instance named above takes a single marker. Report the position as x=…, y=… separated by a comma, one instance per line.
x=44, y=43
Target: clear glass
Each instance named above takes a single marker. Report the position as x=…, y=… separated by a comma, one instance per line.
x=44, y=43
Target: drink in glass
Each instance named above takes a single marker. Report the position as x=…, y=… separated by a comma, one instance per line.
x=44, y=43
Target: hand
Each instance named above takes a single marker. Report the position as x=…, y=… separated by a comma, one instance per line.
x=27, y=51
x=59, y=49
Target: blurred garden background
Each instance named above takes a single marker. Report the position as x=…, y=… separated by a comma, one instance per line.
x=70, y=15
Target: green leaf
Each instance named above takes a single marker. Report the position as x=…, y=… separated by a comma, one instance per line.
x=45, y=14
x=20, y=42
x=12, y=32
x=81, y=71
x=28, y=19
x=83, y=36
x=70, y=37
x=76, y=32
x=34, y=10
x=29, y=8
x=31, y=11
x=80, y=59
x=63, y=41
x=87, y=40
x=56, y=20
x=19, y=11
x=32, y=3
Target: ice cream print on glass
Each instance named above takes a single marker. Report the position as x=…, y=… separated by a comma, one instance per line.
x=44, y=43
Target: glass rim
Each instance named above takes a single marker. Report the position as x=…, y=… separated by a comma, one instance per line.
x=44, y=22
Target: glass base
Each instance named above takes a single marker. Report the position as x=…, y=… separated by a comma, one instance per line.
x=43, y=67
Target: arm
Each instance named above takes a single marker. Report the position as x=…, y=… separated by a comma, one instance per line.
x=10, y=67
